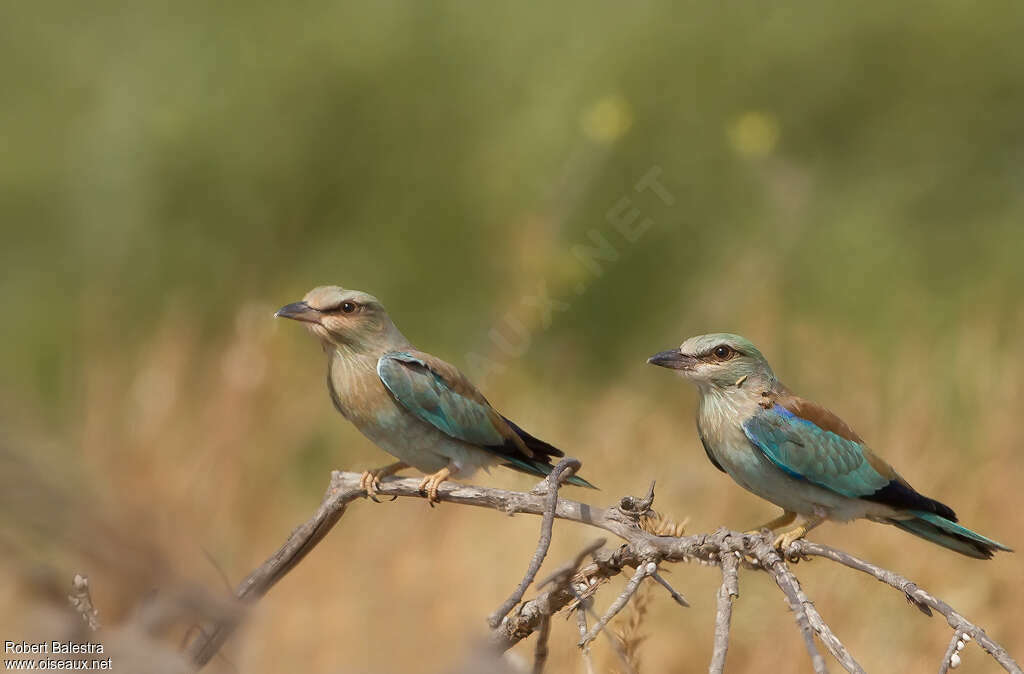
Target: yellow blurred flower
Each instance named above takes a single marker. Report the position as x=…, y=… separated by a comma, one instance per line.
x=608, y=119
x=753, y=134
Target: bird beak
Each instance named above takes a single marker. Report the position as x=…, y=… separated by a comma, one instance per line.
x=299, y=311
x=673, y=359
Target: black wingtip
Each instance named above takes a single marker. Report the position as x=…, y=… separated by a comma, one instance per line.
x=899, y=494
x=534, y=444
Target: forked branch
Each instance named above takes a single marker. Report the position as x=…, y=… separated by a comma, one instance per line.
x=571, y=585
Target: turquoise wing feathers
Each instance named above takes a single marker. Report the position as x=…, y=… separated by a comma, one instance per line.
x=805, y=451
x=428, y=394
x=440, y=395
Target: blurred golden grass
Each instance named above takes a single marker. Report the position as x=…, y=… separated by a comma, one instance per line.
x=186, y=447
x=825, y=164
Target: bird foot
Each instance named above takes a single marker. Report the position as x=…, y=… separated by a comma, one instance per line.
x=370, y=480
x=431, y=482
x=786, y=538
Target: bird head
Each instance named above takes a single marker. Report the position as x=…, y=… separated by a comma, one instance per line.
x=349, y=318
x=720, y=360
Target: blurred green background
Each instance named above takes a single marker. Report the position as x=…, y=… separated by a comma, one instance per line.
x=846, y=190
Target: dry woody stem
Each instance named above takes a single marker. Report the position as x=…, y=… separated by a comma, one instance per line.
x=571, y=587
x=727, y=592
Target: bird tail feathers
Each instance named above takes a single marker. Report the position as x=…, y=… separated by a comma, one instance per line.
x=540, y=468
x=942, y=531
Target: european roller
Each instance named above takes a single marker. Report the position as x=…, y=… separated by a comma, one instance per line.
x=414, y=406
x=799, y=455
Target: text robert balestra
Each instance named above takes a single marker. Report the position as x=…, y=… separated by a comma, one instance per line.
x=56, y=647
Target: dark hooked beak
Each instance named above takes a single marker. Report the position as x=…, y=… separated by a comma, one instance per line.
x=673, y=359
x=299, y=311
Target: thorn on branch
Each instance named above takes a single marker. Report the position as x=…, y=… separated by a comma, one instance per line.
x=676, y=597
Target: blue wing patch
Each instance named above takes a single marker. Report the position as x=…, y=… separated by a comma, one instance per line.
x=426, y=394
x=805, y=451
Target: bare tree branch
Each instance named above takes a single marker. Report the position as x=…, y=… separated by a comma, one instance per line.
x=81, y=601
x=522, y=622
x=676, y=597
x=642, y=551
x=953, y=650
x=791, y=586
x=564, y=469
x=540, y=651
x=790, y=590
x=915, y=595
x=784, y=578
x=340, y=493
x=620, y=602
x=581, y=624
x=728, y=591
x=586, y=605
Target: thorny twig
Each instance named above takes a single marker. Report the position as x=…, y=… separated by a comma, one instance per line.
x=642, y=550
x=676, y=597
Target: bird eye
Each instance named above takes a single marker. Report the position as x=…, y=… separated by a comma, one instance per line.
x=348, y=307
x=722, y=351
